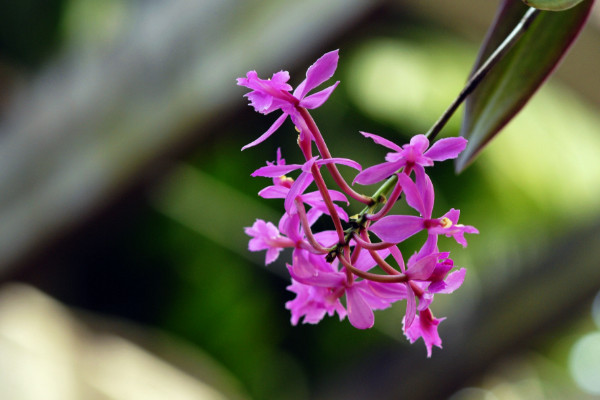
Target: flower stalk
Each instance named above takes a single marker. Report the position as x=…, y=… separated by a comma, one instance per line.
x=331, y=270
x=507, y=44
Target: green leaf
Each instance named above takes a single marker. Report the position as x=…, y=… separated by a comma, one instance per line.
x=516, y=77
x=552, y=5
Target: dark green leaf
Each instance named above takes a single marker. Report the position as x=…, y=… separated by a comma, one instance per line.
x=552, y=5
x=512, y=82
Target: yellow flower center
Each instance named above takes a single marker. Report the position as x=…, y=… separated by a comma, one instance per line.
x=445, y=222
x=286, y=181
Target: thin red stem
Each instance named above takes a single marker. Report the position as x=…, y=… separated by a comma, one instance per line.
x=369, y=276
x=325, y=154
x=369, y=245
x=378, y=259
x=388, y=204
x=316, y=173
x=306, y=229
x=355, y=253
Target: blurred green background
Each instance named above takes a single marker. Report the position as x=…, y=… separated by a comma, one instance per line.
x=123, y=197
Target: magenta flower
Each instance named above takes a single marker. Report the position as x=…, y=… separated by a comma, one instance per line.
x=330, y=270
x=313, y=271
x=265, y=236
x=312, y=303
x=280, y=180
x=439, y=280
x=425, y=326
x=420, y=196
x=296, y=190
x=273, y=94
x=410, y=156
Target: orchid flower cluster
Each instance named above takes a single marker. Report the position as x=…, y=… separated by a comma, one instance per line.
x=342, y=270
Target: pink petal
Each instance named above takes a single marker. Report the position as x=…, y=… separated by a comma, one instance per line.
x=425, y=189
x=290, y=226
x=318, y=73
x=395, y=251
x=374, y=301
x=266, y=95
x=425, y=301
x=272, y=255
x=319, y=279
x=275, y=171
x=365, y=261
x=278, y=122
x=396, y=291
x=327, y=238
x=279, y=79
x=335, y=195
x=452, y=282
x=378, y=172
x=343, y=161
x=420, y=143
x=359, y=313
x=453, y=215
x=411, y=307
x=425, y=326
x=447, y=148
x=381, y=141
x=396, y=228
x=316, y=100
x=274, y=192
x=412, y=195
x=299, y=186
x=430, y=246
x=422, y=269
x=312, y=303
x=280, y=159
x=260, y=101
x=313, y=215
x=308, y=164
x=277, y=82
x=441, y=269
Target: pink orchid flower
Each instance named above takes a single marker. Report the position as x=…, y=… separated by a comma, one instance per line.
x=266, y=236
x=425, y=326
x=296, y=190
x=273, y=94
x=420, y=196
x=410, y=156
x=313, y=271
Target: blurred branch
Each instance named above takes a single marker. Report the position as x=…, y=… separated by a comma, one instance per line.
x=88, y=126
x=547, y=293
x=76, y=355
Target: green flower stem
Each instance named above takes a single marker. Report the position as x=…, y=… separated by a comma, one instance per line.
x=478, y=76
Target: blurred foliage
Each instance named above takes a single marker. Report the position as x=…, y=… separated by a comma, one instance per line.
x=29, y=30
x=506, y=89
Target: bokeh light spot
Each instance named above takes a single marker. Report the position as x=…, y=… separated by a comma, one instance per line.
x=584, y=363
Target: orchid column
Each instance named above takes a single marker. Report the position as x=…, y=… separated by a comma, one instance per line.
x=343, y=270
